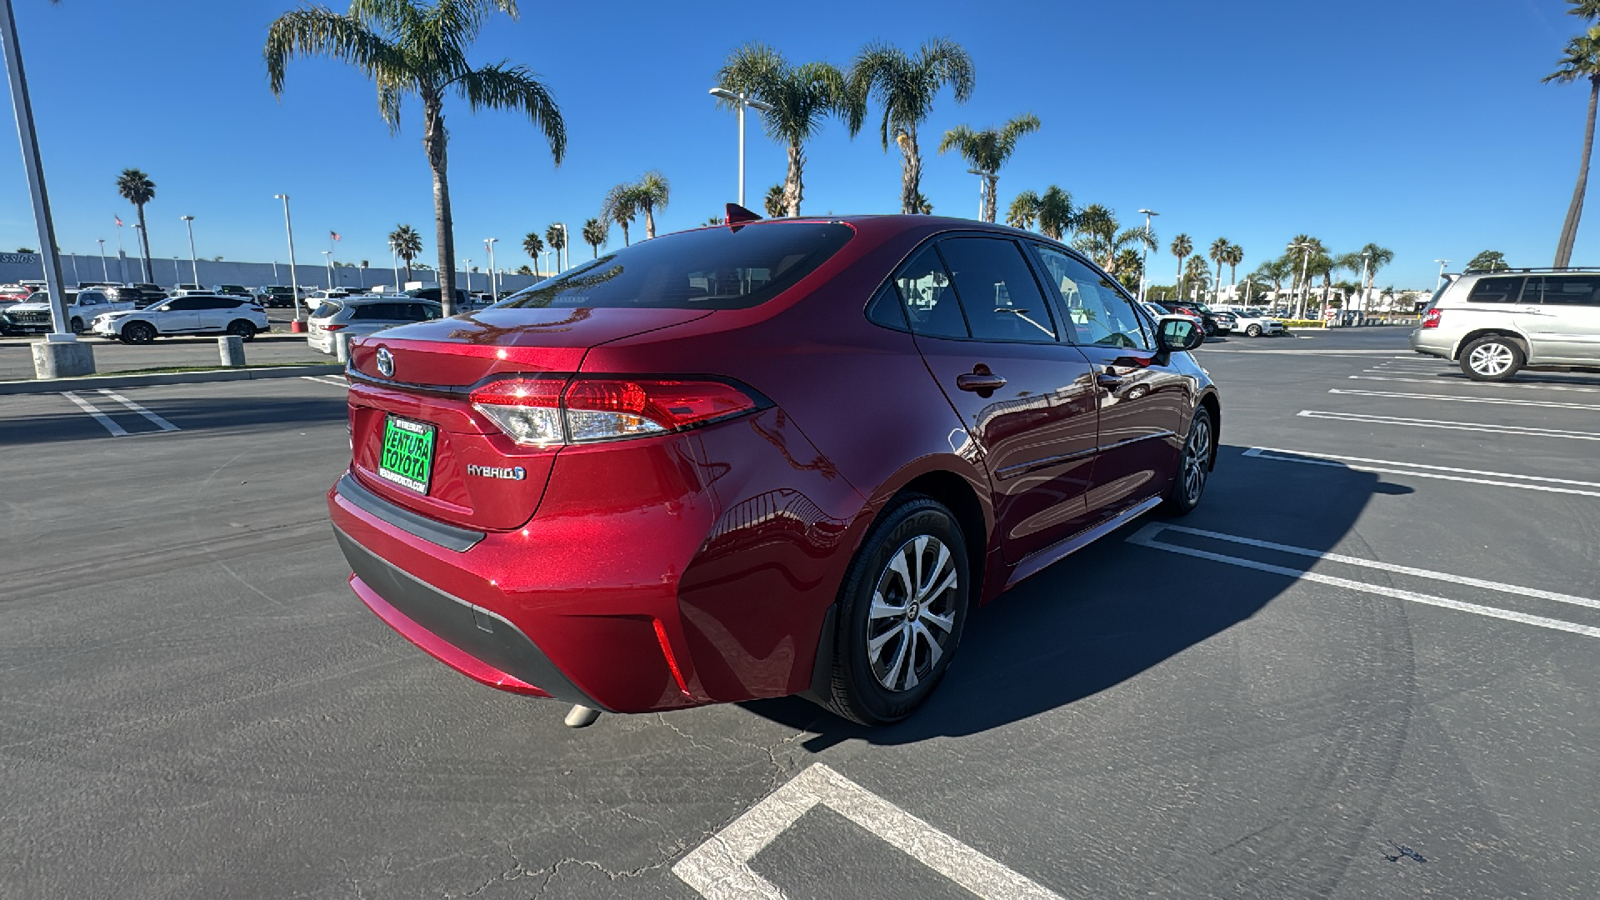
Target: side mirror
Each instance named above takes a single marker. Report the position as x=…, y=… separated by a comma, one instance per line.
x=1175, y=334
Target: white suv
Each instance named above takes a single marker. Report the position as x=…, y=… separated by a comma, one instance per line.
x=187, y=314
x=364, y=315
x=1495, y=323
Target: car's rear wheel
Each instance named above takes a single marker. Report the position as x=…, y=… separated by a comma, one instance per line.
x=1253, y=331
x=901, y=611
x=1194, y=466
x=138, y=333
x=1493, y=357
x=243, y=329
x=77, y=325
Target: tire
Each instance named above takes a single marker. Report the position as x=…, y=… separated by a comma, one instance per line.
x=875, y=680
x=1493, y=357
x=1194, y=465
x=243, y=329
x=76, y=325
x=138, y=333
x=1253, y=331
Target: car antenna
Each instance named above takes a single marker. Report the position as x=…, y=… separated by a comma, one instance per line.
x=737, y=215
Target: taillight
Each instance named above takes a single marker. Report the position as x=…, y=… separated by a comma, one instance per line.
x=1431, y=319
x=538, y=412
x=332, y=327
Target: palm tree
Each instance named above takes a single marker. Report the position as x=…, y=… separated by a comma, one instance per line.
x=1197, y=272
x=406, y=244
x=137, y=188
x=533, y=245
x=988, y=150
x=595, y=233
x=1057, y=215
x=773, y=202
x=555, y=237
x=1219, y=254
x=1582, y=60
x=798, y=98
x=1181, y=248
x=620, y=206
x=1099, y=238
x=924, y=205
x=411, y=48
x=906, y=86
x=1233, y=257
x=1374, y=258
x=653, y=193
x=1024, y=211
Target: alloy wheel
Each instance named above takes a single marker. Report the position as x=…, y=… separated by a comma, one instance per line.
x=1491, y=359
x=1196, y=456
x=913, y=613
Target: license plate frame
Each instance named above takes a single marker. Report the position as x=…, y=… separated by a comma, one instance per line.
x=406, y=455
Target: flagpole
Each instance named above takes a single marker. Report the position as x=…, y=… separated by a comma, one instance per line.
x=122, y=257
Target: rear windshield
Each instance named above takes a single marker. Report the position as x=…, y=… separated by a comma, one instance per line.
x=326, y=310
x=714, y=268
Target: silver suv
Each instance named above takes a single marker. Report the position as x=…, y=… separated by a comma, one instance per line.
x=1495, y=323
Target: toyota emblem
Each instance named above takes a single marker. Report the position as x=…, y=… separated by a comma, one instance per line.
x=385, y=362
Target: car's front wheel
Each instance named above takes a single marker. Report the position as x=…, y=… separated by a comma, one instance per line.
x=901, y=611
x=1253, y=331
x=1194, y=466
x=1493, y=357
x=138, y=333
x=242, y=329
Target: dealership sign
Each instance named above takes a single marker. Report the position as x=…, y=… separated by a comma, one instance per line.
x=27, y=259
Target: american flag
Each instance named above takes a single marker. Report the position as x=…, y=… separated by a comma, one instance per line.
x=119, y=220
x=334, y=235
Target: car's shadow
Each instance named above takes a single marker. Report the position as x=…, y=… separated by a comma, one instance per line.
x=1116, y=609
x=217, y=413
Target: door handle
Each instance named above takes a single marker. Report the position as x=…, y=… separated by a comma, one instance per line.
x=1108, y=380
x=980, y=382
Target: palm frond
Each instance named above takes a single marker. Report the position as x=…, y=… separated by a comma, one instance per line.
x=318, y=31
x=505, y=86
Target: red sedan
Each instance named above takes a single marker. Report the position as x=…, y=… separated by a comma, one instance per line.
x=774, y=458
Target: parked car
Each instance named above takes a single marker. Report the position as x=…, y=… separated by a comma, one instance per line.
x=33, y=316
x=140, y=295
x=191, y=288
x=275, y=295
x=184, y=314
x=1496, y=324
x=1157, y=311
x=233, y=290
x=1226, y=321
x=314, y=300
x=364, y=315
x=1256, y=323
x=463, y=301
x=1189, y=308
x=13, y=293
x=782, y=458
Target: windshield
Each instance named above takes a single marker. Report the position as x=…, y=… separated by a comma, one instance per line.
x=712, y=268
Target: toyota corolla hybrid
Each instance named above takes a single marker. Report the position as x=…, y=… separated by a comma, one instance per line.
x=761, y=459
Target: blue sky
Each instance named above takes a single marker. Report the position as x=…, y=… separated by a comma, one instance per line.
x=1417, y=124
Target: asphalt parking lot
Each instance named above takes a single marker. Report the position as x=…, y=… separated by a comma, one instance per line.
x=277, y=347
x=1365, y=667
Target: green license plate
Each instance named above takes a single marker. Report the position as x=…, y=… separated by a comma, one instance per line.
x=407, y=454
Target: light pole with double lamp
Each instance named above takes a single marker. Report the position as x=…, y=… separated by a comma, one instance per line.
x=564, y=255
x=494, y=288
x=1144, y=255
x=194, y=261
x=294, y=283
x=739, y=101
x=327, y=266
x=1305, y=265
x=1442, y=263
x=104, y=272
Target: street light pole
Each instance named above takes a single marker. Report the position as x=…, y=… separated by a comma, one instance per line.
x=104, y=272
x=194, y=261
x=1145, y=255
x=564, y=254
x=740, y=101
x=147, y=274
x=1305, y=265
x=1366, y=258
x=122, y=256
x=983, y=186
x=327, y=265
x=1442, y=263
x=494, y=289
x=294, y=283
x=468, y=273
x=34, y=167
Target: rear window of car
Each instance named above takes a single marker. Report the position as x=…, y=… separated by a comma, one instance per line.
x=326, y=310
x=1496, y=290
x=712, y=268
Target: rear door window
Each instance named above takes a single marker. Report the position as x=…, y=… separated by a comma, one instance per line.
x=1562, y=290
x=997, y=291
x=1097, y=312
x=1496, y=290
x=711, y=268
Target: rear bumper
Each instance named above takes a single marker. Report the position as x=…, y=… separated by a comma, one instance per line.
x=1430, y=342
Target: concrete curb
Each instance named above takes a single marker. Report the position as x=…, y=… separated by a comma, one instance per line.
x=91, y=382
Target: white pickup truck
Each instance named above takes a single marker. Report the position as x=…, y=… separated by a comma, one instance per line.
x=32, y=316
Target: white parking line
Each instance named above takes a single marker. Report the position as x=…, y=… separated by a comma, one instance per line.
x=1501, y=401
x=1147, y=538
x=719, y=868
x=1537, y=386
x=115, y=429
x=161, y=423
x=327, y=379
x=1452, y=426
x=1419, y=470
